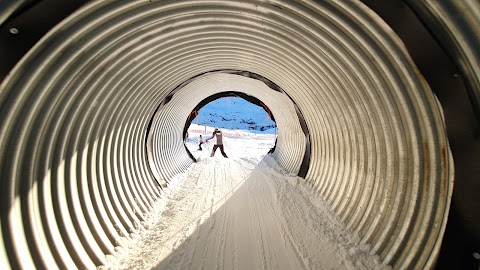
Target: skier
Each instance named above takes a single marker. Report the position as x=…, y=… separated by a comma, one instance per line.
x=219, y=142
x=200, y=143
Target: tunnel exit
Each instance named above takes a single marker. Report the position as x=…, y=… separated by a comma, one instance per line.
x=238, y=120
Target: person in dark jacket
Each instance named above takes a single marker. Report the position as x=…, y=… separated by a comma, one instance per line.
x=200, y=143
x=217, y=134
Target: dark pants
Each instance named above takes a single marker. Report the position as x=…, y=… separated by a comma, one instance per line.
x=221, y=150
x=200, y=146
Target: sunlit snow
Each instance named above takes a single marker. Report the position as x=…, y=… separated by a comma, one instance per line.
x=241, y=212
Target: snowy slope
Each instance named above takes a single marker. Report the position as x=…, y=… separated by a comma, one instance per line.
x=235, y=113
x=244, y=212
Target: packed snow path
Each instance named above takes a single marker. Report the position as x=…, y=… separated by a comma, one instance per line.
x=243, y=213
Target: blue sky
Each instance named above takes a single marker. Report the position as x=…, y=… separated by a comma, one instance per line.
x=235, y=113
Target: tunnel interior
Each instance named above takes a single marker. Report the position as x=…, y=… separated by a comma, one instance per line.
x=357, y=119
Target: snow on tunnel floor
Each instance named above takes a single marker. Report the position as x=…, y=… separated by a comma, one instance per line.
x=244, y=212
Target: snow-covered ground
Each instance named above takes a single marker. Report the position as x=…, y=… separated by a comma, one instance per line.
x=244, y=212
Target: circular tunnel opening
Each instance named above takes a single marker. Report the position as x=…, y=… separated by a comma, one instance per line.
x=210, y=86
x=237, y=115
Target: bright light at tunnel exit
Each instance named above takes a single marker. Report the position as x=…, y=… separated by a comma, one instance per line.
x=237, y=118
x=235, y=113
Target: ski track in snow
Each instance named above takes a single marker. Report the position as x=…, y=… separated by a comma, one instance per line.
x=244, y=212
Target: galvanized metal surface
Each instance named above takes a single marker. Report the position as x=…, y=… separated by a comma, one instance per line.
x=456, y=23
x=9, y=7
x=75, y=178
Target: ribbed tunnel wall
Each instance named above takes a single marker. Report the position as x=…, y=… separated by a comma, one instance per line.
x=167, y=145
x=75, y=177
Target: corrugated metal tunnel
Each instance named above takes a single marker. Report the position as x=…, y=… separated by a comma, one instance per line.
x=171, y=117
x=75, y=174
